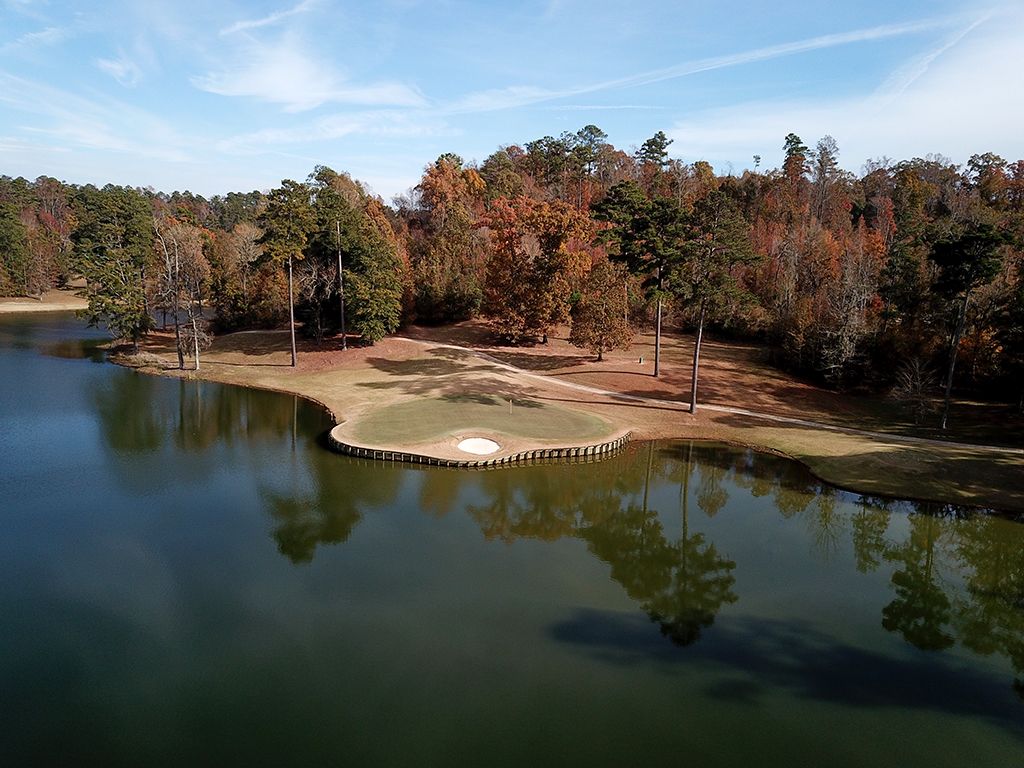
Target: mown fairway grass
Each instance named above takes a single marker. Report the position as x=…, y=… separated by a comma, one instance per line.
x=426, y=419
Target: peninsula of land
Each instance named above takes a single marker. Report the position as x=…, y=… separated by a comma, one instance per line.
x=427, y=389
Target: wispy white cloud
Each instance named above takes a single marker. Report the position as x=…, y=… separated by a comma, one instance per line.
x=905, y=76
x=30, y=40
x=283, y=73
x=122, y=69
x=92, y=123
x=390, y=123
x=266, y=21
x=506, y=98
x=14, y=145
x=518, y=96
x=601, y=107
x=948, y=102
x=767, y=53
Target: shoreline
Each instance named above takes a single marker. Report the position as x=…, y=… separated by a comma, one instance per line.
x=838, y=484
x=876, y=464
x=51, y=301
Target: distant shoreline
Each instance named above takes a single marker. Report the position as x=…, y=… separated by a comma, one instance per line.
x=51, y=301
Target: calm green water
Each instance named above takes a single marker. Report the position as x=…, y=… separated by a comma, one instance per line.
x=187, y=577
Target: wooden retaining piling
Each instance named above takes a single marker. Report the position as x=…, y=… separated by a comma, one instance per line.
x=569, y=454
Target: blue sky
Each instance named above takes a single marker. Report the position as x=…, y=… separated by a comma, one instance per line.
x=228, y=96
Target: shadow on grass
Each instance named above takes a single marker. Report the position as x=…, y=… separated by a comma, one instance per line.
x=638, y=374
x=539, y=361
x=481, y=385
x=250, y=346
x=419, y=367
x=447, y=373
x=491, y=400
x=672, y=406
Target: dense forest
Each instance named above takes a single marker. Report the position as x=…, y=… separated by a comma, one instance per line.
x=880, y=282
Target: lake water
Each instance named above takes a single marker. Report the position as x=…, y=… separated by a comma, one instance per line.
x=188, y=577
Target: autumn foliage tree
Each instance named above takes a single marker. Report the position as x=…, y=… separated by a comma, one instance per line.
x=36, y=223
x=600, y=317
x=247, y=290
x=858, y=276
x=183, y=278
x=537, y=259
x=446, y=248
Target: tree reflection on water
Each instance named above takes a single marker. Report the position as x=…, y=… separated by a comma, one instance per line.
x=956, y=576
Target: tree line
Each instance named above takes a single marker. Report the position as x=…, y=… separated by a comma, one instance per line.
x=239, y=261
x=908, y=275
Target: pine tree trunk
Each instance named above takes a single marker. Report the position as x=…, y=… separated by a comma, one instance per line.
x=177, y=342
x=195, y=340
x=177, y=308
x=960, y=322
x=145, y=298
x=657, y=340
x=291, y=309
x=696, y=359
x=341, y=289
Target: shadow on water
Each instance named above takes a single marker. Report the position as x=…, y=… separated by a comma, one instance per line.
x=759, y=655
x=92, y=350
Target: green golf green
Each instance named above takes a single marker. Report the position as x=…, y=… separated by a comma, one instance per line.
x=417, y=421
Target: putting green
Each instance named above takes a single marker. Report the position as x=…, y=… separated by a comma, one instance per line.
x=417, y=421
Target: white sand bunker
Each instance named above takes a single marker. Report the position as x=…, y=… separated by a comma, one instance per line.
x=479, y=446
